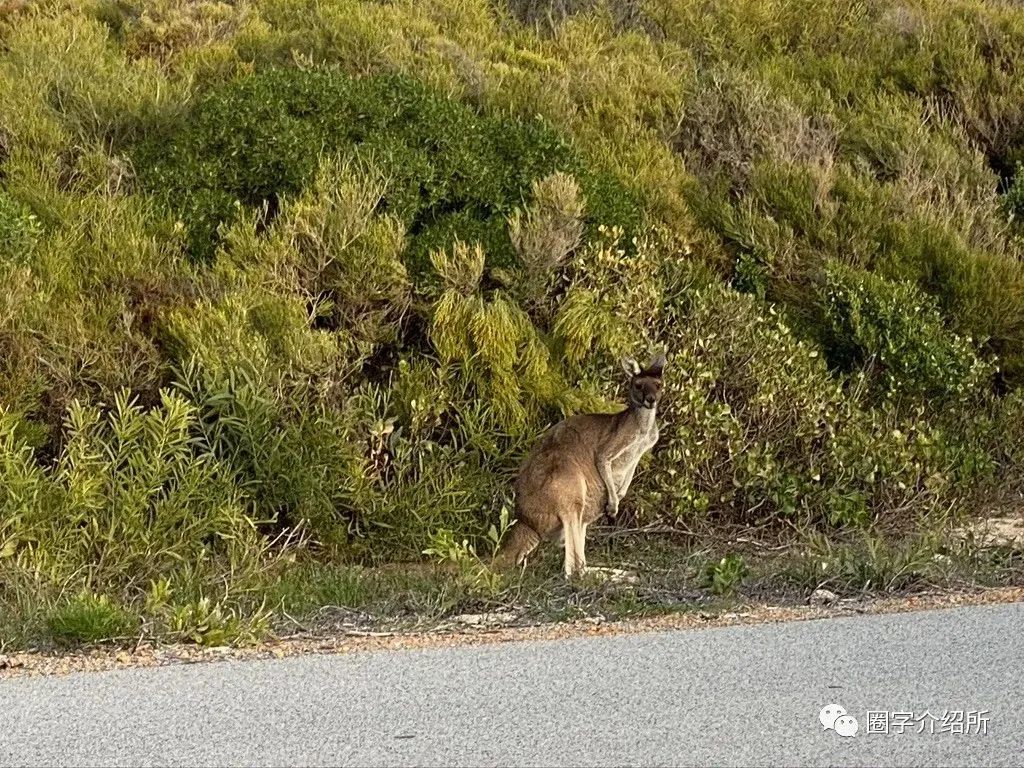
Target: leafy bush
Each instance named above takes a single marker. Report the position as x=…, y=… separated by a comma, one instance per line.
x=179, y=33
x=211, y=623
x=546, y=234
x=790, y=179
x=755, y=427
x=493, y=339
x=129, y=501
x=64, y=87
x=873, y=320
x=605, y=306
x=449, y=172
x=332, y=248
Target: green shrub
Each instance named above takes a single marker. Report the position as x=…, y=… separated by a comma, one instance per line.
x=792, y=178
x=898, y=333
x=725, y=576
x=756, y=428
x=259, y=377
x=64, y=87
x=129, y=500
x=450, y=172
x=208, y=622
x=90, y=618
x=605, y=309
x=333, y=248
x=301, y=466
x=868, y=561
x=433, y=456
x=178, y=33
x=795, y=219
x=493, y=340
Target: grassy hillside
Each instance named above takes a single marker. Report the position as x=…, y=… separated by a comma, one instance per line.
x=289, y=278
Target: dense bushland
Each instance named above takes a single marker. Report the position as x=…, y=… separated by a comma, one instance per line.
x=283, y=275
x=451, y=173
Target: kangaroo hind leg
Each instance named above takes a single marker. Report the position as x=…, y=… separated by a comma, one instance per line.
x=581, y=504
x=570, y=526
x=581, y=548
x=575, y=538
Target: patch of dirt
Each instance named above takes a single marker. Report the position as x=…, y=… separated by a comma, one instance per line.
x=478, y=629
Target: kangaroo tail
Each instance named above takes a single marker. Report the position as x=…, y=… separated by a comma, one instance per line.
x=520, y=540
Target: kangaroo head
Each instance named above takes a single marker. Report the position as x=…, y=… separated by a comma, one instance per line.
x=645, y=383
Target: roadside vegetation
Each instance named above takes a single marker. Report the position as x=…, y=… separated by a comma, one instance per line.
x=291, y=287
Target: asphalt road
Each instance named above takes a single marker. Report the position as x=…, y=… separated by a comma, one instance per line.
x=731, y=696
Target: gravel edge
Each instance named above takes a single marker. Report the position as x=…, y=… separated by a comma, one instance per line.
x=33, y=664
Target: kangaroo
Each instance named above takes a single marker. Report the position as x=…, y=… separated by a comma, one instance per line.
x=583, y=465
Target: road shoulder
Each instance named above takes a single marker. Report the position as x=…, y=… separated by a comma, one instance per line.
x=478, y=630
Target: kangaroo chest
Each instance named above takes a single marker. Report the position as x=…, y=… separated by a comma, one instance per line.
x=625, y=464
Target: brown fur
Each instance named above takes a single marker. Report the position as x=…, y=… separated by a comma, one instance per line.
x=562, y=488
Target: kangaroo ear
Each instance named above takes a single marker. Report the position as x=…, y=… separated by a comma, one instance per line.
x=657, y=365
x=631, y=366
